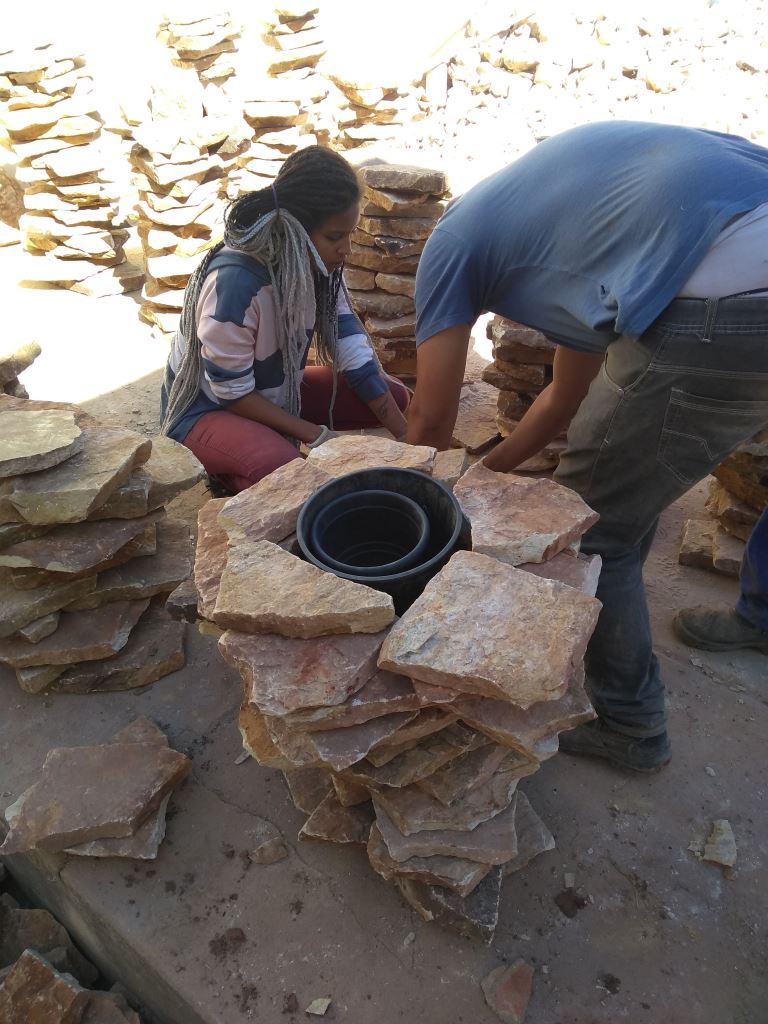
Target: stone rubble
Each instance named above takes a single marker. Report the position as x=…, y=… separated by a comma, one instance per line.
x=412, y=741
x=86, y=553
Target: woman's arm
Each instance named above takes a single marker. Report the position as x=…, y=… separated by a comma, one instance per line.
x=387, y=412
x=256, y=407
x=440, y=363
x=552, y=411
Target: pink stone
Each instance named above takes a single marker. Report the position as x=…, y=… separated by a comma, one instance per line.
x=581, y=572
x=507, y=991
x=517, y=519
x=211, y=555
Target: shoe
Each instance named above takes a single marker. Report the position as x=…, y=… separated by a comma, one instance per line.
x=718, y=629
x=638, y=754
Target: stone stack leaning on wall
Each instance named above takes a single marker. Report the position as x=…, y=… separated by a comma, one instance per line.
x=738, y=493
x=412, y=749
x=400, y=208
x=87, y=555
x=48, y=108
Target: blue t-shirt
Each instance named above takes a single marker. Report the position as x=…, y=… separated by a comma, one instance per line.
x=591, y=234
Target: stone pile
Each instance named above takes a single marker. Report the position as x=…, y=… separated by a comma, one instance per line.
x=401, y=205
x=294, y=32
x=409, y=738
x=737, y=495
x=203, y=44
x=87, y=555
x=48, y=109
x=180, y=159
x=369, y=114
x=107, y=800
x=521, y=369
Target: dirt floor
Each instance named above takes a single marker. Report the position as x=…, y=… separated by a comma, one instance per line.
x=202, y=936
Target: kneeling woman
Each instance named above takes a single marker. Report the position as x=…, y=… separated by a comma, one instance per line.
x=236, y=389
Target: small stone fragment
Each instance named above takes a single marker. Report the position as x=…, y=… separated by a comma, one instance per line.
x=126, y=783
x=37, y=440
x=450, y=466
x=727, y=553
x=34, y=680
x=181, y=603
x=464, y=632
x=349, y=453
x=337, y=824
x=696, y=543
x=267, y=845
x=319, y=1007
x=284, y=674
x=720, y=847
x=264, y=589
x=507, y=991
x=33, y=991
x=475, y=916
x=517, y=519
x=270, y=508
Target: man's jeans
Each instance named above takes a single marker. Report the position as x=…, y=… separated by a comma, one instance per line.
x=753, y=600
x=664, y=410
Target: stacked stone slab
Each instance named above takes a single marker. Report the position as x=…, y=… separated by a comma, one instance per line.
x=410, y=738
x=48, y=108
x=371, y=113
x=87, y=554
x=204, y=44
x=14, y=359
x=521, y=369
x=737, y=496
x=180, y=158
x=401, y=205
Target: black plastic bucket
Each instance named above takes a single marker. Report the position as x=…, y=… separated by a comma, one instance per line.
x=443, y=514
x=370, y=533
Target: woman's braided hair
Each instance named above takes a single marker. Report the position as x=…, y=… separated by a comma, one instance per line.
x=273, y=226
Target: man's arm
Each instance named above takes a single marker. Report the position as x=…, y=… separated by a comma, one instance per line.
x=552, y=411
x=440, y=363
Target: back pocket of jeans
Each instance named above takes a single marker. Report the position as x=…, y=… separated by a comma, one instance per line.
x=699, y=432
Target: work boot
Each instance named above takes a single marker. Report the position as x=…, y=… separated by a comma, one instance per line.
x=718, y=629
x=638, y=754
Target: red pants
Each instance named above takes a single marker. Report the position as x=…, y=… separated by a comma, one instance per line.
x=241, y=452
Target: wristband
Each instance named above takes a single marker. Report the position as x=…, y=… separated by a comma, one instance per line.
x=324, y=435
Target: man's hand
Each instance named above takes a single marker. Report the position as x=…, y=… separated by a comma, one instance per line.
x=440, y=362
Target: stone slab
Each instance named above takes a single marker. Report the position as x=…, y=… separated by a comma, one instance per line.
x=349, y=453
x=337, y=824
x=413, y=810
x=383, y=694
x=425, y=758
x=450, y=466
x=257, y=739
x=22, y=928
x=475, y=428
x=35, y=680
x=474, y=916
x=581, y=572
x=265, y=589
x=465, y=773
x=269, y=510
x=81, y=636
x=458, y=875
x=533, y=836
x=87, y=793
x=429, y=721
x=144, y=844
x=308, y=787
x=147, y=576
x=697, y=543
x=77, y=548
x=404, y=178
x=34, y=991
x=340, y=748
x=38, y=630
x=517, y=519
x=210, y=555
x=154, y=649
x=484, y=627
x=20, y=607
x=33, y=441
x=69, y=492
x=282, y=674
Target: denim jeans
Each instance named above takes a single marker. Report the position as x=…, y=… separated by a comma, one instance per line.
x=664, y=410
x=753, y=580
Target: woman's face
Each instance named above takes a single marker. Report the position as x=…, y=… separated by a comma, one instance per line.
x=333, y=238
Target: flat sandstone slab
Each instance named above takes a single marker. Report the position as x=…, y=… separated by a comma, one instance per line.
x=210, y=556
x=283, y=674
x=34, y=991
x=383, y=694
x=517, y=519
x=88, y=793
x=338, y=824
x=71, y=491
x=581, y=572
x=33, y=441
x=352, y=452
x=269, y=510
x=20, y=607
x=265, y=589
x=474, y=916
x=454, y=873
x=485, y=627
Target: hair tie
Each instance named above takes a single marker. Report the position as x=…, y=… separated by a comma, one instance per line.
x=274, y=196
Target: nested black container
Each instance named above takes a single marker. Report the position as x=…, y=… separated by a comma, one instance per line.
x=391, y=529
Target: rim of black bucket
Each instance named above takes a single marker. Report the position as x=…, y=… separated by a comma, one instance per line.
x=372, y=581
